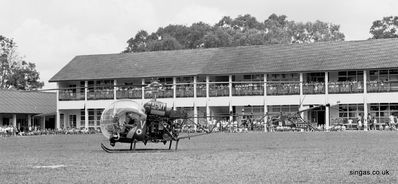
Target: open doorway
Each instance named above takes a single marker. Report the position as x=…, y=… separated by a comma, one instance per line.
x=318, y=116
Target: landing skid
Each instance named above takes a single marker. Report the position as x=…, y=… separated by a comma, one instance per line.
x=132, y=149
x=110, y=150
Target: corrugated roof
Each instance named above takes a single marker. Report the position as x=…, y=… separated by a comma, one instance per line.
x=14, y=101
x=321, y=56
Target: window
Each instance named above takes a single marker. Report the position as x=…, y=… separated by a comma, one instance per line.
x=91, y=117
x=383, y=75
x=98, y=118
x=282, y=108
x=184, y=79
x=381, y=111
x=350, y=76
x=165, y=80
x=82, y=118
x=350, y=111
x=72, y=121
x=283, y=77
x=219, y=79
x=61, y=121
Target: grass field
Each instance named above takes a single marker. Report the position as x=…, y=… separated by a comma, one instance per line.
x=280, y=157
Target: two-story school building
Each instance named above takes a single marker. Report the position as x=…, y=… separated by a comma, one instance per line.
x=354, y=77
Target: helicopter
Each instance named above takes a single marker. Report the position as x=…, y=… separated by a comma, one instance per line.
x=126, y=121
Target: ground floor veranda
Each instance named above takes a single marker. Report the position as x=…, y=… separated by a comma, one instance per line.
x=326, y=116
x=23, y=122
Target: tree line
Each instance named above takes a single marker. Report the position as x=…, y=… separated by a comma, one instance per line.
x=243, y=30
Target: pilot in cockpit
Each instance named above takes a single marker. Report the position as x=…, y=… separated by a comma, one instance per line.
x=131, y=124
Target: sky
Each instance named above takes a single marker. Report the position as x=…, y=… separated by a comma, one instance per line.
x=50, y=33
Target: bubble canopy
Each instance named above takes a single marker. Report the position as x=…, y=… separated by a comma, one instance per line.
x=114, y=115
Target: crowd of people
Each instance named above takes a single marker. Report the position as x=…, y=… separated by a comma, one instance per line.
x=378, y=86
x=218, y=90
x=129, y=92
x=283, y=89
x=358, y=123
x=249, y=89
x=314, y=88
x=346, y=87
x=7, y=131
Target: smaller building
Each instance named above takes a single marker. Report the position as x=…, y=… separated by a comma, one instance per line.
x=24, y=109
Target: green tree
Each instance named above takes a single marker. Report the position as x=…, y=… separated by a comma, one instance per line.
x=15, y=72
x=385, y=28
x=166, y=43
x=25, y=77
x=240, y=31
x=138, y=43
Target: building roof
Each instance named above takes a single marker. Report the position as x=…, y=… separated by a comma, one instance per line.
x=26, y=102
x=320, y=56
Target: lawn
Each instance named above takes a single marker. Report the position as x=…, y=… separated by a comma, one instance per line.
x=277, y=157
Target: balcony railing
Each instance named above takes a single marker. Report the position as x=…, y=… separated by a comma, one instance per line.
x=67, y=95
x=201, y=90
x=283, y=88
x=218, y=89
x=247, y=89
x=346, y=87
x=314, y=88
x=165, y=92
x=184, y=90
x=381, y=86
x=129, y=93
x=100, y=94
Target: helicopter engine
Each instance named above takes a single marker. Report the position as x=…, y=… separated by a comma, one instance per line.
x=160, y=120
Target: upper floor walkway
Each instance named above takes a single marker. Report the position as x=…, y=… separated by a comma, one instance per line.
x=339, y=82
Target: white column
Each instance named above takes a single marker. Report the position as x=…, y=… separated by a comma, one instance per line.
x=265, y=103
x=265, y=85
x=207, y=112
x=327, y=115
x=14, y=120
x=195, y=80
x=365, y=101
x=230, y=110
x=43, y=123
x=195, y=115
x=207, y=98
x=65, y=121
x=301, y=95
x=142, y=89
x=326, y=83
x=85, y=90
x=29, y=120
x=207, y=87
x=174, y=88
x=57, y=120
x=301, y=83
x=85, y=117
x=327, y=112
x=265, y=115
x=230, y=85
x=85, y=106
x=114, y=89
